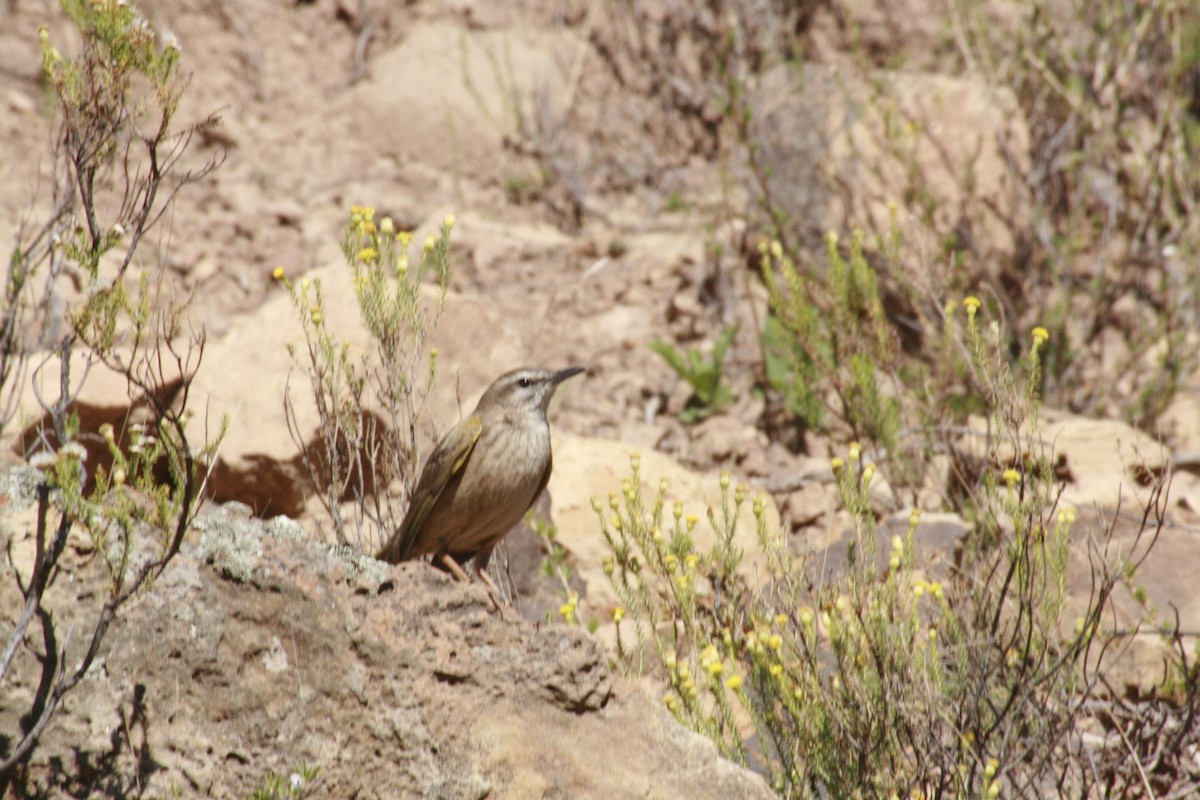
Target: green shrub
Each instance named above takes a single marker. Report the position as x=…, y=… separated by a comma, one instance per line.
x=894, y=677
x=370, y=405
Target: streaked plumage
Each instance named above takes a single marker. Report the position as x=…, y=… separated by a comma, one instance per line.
x=483, y=475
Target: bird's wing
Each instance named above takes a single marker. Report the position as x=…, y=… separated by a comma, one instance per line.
x=447, y=460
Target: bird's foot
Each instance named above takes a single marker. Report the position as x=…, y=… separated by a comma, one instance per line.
x=458, y=572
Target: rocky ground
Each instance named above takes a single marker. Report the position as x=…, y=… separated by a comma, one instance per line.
x=269, y=648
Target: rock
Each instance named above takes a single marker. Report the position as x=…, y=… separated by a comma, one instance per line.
x=1108, y=462
x=1167, y=579
x=394, y=682
x=444, y=96
x=823, y=130
x=1102, y=462
x=811, y=505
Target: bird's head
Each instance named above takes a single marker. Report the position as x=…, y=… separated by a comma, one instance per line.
x=528, y=388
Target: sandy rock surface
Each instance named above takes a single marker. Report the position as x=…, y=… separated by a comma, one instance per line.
x=270, y=649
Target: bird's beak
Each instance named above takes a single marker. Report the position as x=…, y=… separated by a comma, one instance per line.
x=563, y=374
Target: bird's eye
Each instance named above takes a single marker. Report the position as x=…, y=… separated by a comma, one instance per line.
x=524, y=383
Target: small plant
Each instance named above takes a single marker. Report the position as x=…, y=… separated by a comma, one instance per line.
x=829, y=350
x=298, y=785
x=370, y=405
x=709, y=394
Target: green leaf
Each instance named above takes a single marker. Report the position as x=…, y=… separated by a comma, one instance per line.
x=671, y=356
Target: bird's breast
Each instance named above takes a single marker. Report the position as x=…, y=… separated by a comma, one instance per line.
x=498, y=483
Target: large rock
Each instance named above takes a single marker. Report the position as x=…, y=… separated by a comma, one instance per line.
x=448, y=98
x=258, y=650
x=838, y=146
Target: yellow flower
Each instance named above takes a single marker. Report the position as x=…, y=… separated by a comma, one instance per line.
x=278, y=274
x=368, y=255
x=914, y=518
x=404, y=238
x=618, y=614
x=836, y=464
x=777, y=249
x=972, y=304
x=776, y=670
x=724, y=480
x=430, y=243
x=1011, y=477
x=781, y=619
x=1040, y=335
x=806, y=616
x=448, y=221
x=387, y=227
x=868, y=474
x=775, y=641
x=366, y=228
x=855, y=451
x=670, y=701
x=734, y=682
x=715, y=668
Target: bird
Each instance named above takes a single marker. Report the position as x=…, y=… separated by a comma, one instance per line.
x=482, y=477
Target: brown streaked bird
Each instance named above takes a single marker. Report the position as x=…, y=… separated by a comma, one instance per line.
x=483, y=475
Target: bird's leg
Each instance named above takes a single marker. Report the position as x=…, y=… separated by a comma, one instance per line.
x=481, y=563
x=455, y=568
x=458, y=572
